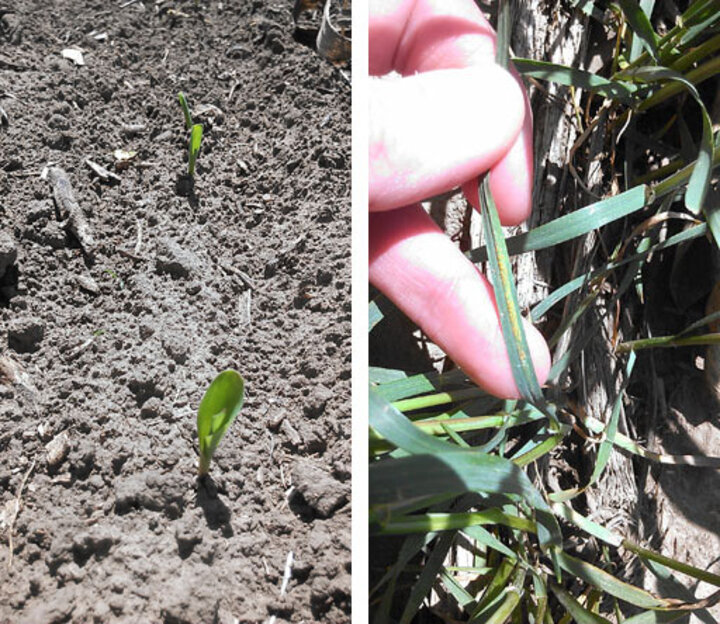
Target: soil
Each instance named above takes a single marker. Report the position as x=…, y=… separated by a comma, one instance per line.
x=121, y=300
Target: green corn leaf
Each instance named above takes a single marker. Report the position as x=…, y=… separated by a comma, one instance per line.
x=185, y=110
x=578, y=78
x=217, y=411
x=579, y=613
x=196, y=136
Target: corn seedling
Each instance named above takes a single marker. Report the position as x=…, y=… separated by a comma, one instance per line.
x=196, y=134
x=185, y=110
x=217, y=411
x=195, y=140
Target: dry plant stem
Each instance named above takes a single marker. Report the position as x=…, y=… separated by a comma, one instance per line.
x=138, y=243
x=18, y=500
x=244, y=277
x=286, y=574
x=70, y=210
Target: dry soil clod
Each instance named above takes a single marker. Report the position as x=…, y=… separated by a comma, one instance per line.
x=70, y=211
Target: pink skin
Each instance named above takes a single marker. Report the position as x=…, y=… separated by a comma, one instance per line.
x=451, y=116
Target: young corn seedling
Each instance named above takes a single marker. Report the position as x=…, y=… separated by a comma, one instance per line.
x=217, y=411
x=196, y=134
x=185, y=110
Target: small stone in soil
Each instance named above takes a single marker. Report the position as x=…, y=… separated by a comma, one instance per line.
x=25, y=334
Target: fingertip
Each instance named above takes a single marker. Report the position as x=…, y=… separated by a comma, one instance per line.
x=503, y=383
x=539, y=352
x=510, y=181
x=433, y=131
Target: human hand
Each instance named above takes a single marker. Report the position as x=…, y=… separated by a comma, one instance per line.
x=453, y=115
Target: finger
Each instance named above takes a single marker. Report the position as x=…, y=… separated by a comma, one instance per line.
x=429, y=279
x=433, y=131
x=411, y=36
x=511, y=178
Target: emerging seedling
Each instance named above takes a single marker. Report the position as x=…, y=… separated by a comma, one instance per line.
x=185, y=183
x=185, y=110
x=217, y=411
x=196, y=135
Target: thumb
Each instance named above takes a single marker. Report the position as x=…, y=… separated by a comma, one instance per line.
x=431, y=132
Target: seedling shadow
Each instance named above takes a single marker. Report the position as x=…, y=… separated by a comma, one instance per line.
x=217, y=513
x=185, y=187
